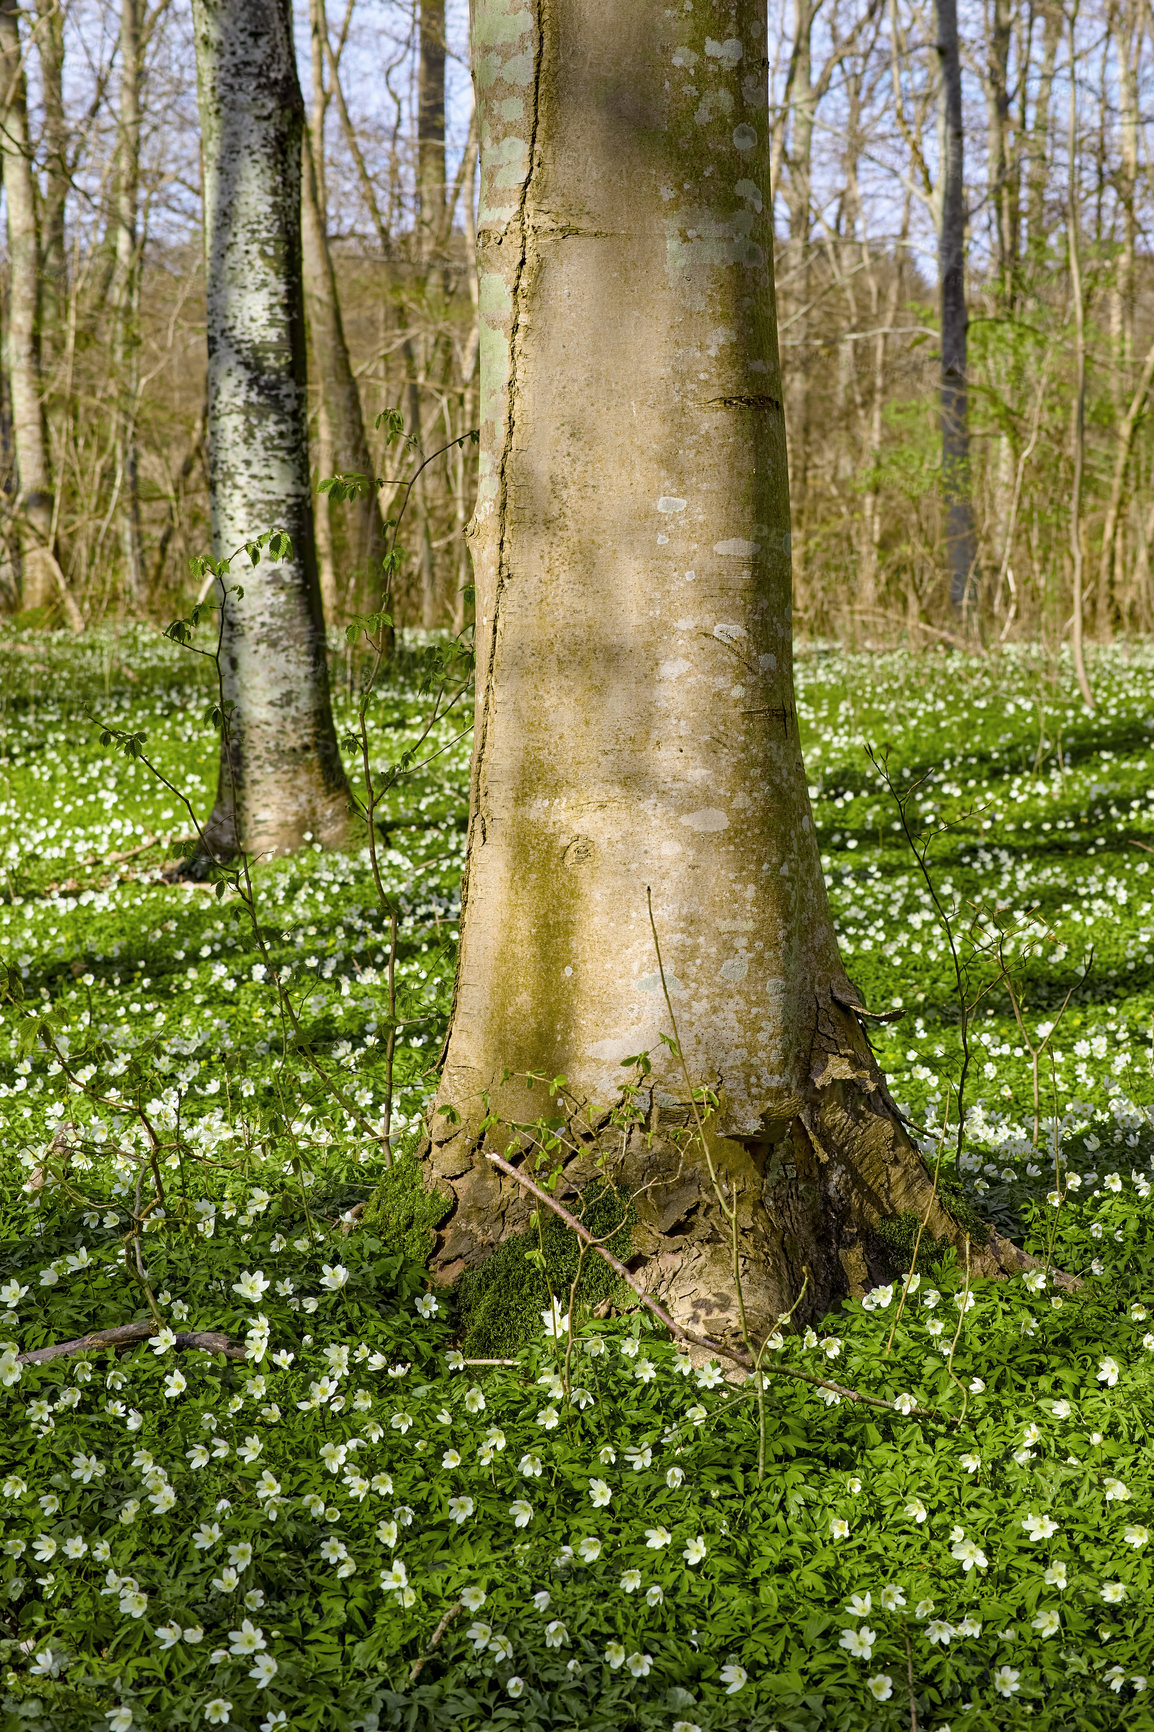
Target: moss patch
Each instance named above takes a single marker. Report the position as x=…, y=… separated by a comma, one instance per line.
x=962, y=1209
x=898, y=1235
x=500, y=1304
x=403, y=1212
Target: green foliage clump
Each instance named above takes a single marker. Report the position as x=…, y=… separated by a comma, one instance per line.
x=962, y=1209
x=898, y=1238
x=404, y=1212
x=500, y=1304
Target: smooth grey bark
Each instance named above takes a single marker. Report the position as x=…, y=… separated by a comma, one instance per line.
x=1001, y=154
x=42, y=579
x=356, y=531
x=53, y=288
x=125, y=298
x=961, y=540
x=431, y=128
x=636, y=727
x=799, y=203
x=281, y=778
x=1037, y=231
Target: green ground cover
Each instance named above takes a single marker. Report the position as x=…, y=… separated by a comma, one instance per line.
x=275, y=1541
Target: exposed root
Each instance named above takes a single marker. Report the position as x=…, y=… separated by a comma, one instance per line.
x=814, y=1198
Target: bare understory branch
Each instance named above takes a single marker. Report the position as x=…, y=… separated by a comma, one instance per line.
x=127, y=1335
x=434, y=1641
x=706, y=1341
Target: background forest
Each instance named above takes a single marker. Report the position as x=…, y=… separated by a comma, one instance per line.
x=103, y=304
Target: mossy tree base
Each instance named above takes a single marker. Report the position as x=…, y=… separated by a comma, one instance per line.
x=832, y=1202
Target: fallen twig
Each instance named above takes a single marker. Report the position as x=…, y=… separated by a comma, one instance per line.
x=131, y=853
x=434, y=1641
x=126, y=1335
x=66, y=886
x=691, y=1340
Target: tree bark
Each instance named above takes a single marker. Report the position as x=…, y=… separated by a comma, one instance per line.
x=281, y=779
x=53, y=290
x=342, y=443
x=1037, y=236
x=1000, y=153
x=961, y=541
x=431, y=129
x=635, y=717
x=126, y=300
x=1078, y=429
x=42, y=579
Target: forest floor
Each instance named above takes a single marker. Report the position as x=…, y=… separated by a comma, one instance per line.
x=349, y=1526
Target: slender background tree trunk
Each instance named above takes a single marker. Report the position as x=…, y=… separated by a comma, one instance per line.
x=961, y=541
x=425, y=349
x=126, y=300
x=54, y=286
x=431, y=128
x=43, y=581
x=1078, y=429
x=282, y=781
x=342, y=444
x=1038, y=237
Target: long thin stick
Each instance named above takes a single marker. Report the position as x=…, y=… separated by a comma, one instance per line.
x=434, y=1641
x=126, y=1335
x=691, y=1340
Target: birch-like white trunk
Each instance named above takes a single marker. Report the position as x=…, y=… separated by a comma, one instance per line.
x=635, y=716
x=281, y=781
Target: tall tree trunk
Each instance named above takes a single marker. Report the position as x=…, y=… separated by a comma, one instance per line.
x=961, y=542
x=43, y=581
x=342, y=444
x=1002, y=171
x=1127, y=39
x=431, y=238
x=1038, y=235
x=431, y=129
x=1128, y=36
x=798, y=197
x=1003, y=179
x=281, y=778
x=635, y=715
x=126, y=300
x=53, y=267
x=1078, y=430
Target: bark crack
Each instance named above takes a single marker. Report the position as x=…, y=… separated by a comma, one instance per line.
x=515, y=295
